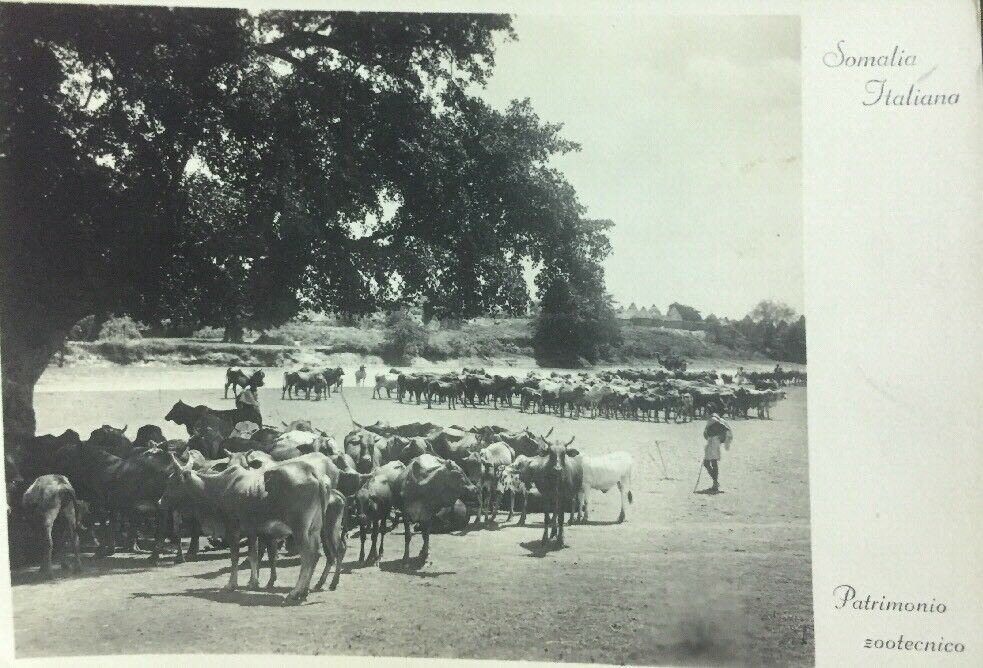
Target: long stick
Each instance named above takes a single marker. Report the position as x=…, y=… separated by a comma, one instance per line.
x=664, y=468
x=698, y=478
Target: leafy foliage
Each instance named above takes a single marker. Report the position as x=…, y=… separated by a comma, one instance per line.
x=772, y=312
x=405, y=337
x=121, y=328
x=576, y=322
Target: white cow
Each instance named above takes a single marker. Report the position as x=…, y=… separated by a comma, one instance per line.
x=385, y=381
x=602, y=472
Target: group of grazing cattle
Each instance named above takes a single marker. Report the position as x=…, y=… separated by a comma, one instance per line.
x=628, y=394
x=321, y=382
x=266, y=485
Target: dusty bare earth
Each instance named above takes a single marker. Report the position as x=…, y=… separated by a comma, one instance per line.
x=689, y=578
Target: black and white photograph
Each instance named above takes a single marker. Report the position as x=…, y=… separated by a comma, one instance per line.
x=404, y=334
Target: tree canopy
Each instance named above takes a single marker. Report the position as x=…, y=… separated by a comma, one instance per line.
x=215, y=165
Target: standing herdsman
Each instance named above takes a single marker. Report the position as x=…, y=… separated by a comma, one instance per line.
x=248, y=404
x=717, y=432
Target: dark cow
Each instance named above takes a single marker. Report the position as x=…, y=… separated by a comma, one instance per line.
x=427, y=486
x=236, y=378
x=147, y=435
x=443, y=390
x=405, y=450
x=111, y=439
x=334, y=378
x=189, y=416
x=125, y=488
x=559, y=477
x=412, y=385
x=40, y=456
x=373, y=503
x=295, y=382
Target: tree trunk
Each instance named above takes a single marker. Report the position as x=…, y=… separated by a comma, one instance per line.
x=233, y=333
x=26, y=346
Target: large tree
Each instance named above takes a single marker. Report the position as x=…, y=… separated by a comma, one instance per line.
x=220, y=166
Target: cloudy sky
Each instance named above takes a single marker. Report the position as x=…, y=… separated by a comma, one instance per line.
x=691, y=137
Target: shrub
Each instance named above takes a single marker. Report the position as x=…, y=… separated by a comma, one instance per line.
x=276, y=338
x=84, y=330
x=405, y=337
x=575, y=327
x=121, y=328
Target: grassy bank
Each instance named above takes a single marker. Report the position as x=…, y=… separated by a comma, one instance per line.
x=314, y=343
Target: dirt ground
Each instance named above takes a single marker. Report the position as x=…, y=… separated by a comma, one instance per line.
x=689, y=578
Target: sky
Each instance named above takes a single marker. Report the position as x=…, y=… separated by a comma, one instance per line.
x=691, y=144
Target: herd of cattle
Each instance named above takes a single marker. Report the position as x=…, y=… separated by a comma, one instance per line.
x=623, y=394
x=232, y=479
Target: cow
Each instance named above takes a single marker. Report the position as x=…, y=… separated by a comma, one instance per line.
x=189, y=416
x=373, y=503
x=443, y=390
x=111, y=439
x=360, y=376
x=403, y=449
x=207, y=440
x=147, y=435
x=493, y=458
x=602, y=472
x=427, y=486
x=40, y=456
x=385, y=381
x=48, y=499
x=559, y=476
x=236, y=378
x=125, y=488
x=334, y=378
x=295, y=382
x=288, y=498
x=321, y=388
x=412, y=385
x=510, y=482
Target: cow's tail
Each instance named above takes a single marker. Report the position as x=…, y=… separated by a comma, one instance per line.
x=629, y=486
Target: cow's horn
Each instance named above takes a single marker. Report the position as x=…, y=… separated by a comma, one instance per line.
x=548, y=433
x=570, y=441
x=177, y=462
x=226, y=453
x=123, y=430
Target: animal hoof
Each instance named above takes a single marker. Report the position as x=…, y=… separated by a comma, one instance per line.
x=253, y=586
x=270, y=585
x=229, y=587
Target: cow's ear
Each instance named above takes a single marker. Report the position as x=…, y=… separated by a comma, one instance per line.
x=573, y=452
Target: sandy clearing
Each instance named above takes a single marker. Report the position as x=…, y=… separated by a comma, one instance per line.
x=689, y=578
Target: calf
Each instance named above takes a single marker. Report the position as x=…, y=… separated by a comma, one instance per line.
x=493, y=459
x=602, y=472
x=50, y=498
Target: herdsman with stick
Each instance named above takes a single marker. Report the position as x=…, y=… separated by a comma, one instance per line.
x=717, y=432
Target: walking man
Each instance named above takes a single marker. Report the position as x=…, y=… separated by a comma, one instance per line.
x=716, y=432
x=360, y=376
